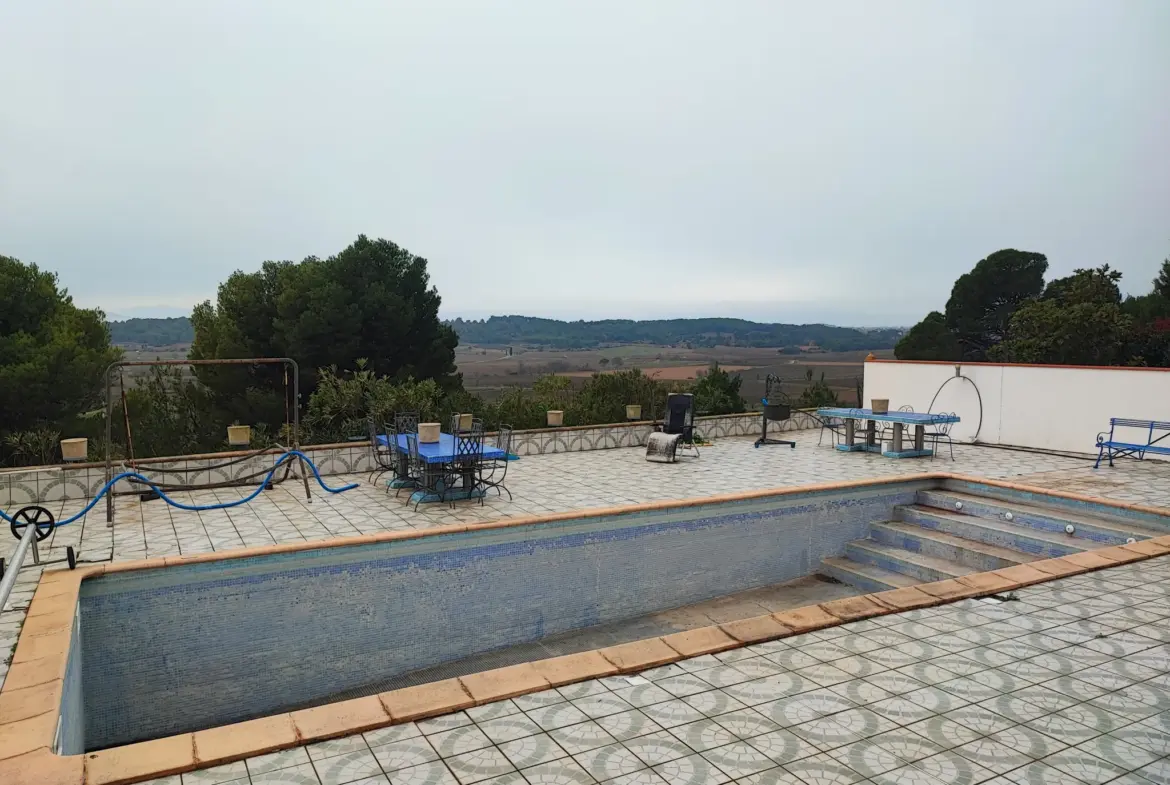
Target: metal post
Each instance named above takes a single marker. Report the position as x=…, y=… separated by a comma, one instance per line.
x=9, y=581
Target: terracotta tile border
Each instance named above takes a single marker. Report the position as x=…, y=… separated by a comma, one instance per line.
x=30, y=699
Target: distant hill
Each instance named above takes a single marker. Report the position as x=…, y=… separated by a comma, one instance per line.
x=153, y=332
x=531, y=331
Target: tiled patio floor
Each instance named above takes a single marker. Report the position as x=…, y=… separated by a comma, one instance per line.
x=1070, y=684
x=561, y=482
x=1102, y=706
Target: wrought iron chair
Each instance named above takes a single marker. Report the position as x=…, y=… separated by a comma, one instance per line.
x=860, y=424
x=490, y=467
x=834, y=425
x=463, y=472
x=406, y=422
x=940, y=431
x=384, y=455
x=887, y=428
x=416, y=470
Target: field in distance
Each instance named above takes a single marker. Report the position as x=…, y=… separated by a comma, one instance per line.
x=489, y=371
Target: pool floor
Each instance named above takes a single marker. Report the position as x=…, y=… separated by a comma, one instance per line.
x=809, y=590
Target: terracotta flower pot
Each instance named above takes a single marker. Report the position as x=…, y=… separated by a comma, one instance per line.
x=239, y=435
x=74, y=449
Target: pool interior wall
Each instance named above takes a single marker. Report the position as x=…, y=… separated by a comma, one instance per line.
x=170, y=650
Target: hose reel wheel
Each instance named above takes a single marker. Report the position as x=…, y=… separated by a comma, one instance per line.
x=35, y=516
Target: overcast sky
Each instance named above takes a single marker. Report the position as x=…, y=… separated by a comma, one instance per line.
x=833, y=161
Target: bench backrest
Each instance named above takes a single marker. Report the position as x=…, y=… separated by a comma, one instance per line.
x=1155, y=425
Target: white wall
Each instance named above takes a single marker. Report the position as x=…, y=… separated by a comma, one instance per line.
x=1043, y=406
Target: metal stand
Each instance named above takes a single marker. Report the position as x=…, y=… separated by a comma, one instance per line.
x=777, y=408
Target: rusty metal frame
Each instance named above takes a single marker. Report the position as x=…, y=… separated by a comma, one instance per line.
x=287, y=361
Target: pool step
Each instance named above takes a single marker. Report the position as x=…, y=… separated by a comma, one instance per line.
x=996, y=532
x=922, y=568
x=865, y=576
x=1101, y=530
x=974, y=553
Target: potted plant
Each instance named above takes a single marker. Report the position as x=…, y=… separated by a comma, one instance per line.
x=239, y=435
x=556, y=418
x=74, y=449
x=633, y=411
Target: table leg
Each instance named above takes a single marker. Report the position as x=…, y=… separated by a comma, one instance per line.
x=850, y=431
x=919, y=437
x=897, y=438
x=870, y=433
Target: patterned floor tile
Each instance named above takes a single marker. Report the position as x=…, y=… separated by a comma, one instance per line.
x=657, y=748
x=714, y=702
x=532, y=750
x=404, y=754
x=296, y=775
x=450, y=721
x=277, y=760
x=459, y=740
x=603, y=704
x=477, y=766
x=769, y=688
x=1120, y=753
x=610, y=762
x=1026, y=741
x=1157, y=772
x=434, y=772
x=334, y=747
x=825, y=734
x=1085, y=767
x=507, y=728
x=690, y=770
x=643, y=777
x=993, y=755
x=347, y=768
x=943, y=732
x=409, y=730
x=556, y=716
x=979, y=719
x=746, y=723
x=560, y=772
x=739, y=759
x=629, y=725
x=783, y=746
x=673, y=712
x=582, y=736
x=703, y=735
x=823, y=769
x=217, y=775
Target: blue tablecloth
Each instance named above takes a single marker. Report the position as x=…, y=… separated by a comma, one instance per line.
x=907, y=418
x=442, y=451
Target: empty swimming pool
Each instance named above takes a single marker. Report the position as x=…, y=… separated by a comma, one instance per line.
x=169, y=650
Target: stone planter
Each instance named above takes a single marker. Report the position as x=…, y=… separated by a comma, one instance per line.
x=74, y=449
x=879, y=405
x=239, y=435
x=556, y=418
x=465, y=422
x=633, y=412
x=428, y=432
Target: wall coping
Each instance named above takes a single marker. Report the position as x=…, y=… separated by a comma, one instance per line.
x=231, y=454
x=1022, y=365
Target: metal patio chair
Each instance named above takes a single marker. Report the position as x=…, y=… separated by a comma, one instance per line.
x=406, y=422
x=492, y=471
x=463, y=472
x=940, y=432
x=384, y=455
x=416, y=470
x=886, y=429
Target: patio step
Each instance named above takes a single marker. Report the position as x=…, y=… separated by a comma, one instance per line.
x=920, y=567
x=864, y=576
x=972, y=553
x=1101, y=530
x=1037, y=543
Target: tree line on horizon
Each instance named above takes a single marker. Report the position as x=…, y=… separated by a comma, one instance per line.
x=1004, y=311
x=557, y=334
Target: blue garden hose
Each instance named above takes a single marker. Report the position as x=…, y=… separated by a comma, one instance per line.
x=199, y=507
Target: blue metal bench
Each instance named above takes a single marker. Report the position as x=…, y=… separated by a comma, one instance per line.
x=1114, y=447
